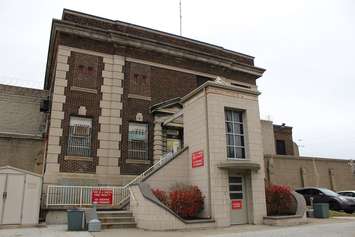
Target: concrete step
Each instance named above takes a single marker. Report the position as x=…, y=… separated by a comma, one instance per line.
x=116, y=219
x=118, y=225
x=114, y=213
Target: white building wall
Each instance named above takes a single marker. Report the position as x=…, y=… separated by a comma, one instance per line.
x=195, y=136
x=218, y=100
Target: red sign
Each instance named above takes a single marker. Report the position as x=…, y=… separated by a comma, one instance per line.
x=237, y=204
x=101, y=196
x=197, y=159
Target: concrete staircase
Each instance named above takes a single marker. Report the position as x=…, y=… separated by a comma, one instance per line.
x=116, y=219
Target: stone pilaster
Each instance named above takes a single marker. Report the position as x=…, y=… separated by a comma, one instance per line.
x=57, y=115
x=110, y=118
x=158, y=142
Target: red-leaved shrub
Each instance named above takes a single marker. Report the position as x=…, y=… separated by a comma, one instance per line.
x=278, y=200
x=161, y=195
x=186, y=201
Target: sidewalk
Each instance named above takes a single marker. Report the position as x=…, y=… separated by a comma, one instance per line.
x=317, y=227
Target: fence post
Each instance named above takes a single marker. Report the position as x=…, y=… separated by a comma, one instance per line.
x=113, y=196
x=81, y=196
x=47, y=197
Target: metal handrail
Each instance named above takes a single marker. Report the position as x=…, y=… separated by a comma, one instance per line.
x=71, y=195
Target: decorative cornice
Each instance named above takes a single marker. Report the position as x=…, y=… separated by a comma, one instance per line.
x=225, y=87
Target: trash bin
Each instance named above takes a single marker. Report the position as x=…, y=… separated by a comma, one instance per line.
x=321, y=210
x=76, y=219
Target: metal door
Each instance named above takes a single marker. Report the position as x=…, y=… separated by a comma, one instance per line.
x=237, y=194
x=12, y=199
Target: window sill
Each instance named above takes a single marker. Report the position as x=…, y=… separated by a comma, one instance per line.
x=142, y=162
x=80, y=158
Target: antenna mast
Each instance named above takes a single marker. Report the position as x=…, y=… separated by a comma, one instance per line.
x=180, y=18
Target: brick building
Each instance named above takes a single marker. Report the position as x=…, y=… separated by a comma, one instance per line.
x=124, y=100
x=113, y=87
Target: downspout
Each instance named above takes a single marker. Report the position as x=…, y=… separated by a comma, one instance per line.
x=208, y=153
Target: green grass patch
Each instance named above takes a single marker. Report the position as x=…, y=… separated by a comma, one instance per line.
x=339, y=214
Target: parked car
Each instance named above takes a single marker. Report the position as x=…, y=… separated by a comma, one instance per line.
x=336, y=201
x=348, y=193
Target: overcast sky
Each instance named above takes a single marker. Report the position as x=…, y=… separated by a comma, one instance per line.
x=307, y=47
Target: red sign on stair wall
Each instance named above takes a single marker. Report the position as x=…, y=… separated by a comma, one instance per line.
x=101, y=196
x=197, y=159
x=237, y=204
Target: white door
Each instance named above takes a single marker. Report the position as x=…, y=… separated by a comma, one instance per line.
x=237, y=194
x=13, y=199
x=2, y=194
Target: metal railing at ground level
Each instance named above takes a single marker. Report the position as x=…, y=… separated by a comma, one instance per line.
x=65, y=196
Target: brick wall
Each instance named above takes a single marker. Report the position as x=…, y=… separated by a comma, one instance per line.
x=23, y=153
x=285, y=134
x=20, y=110
x=160, y=85
x=21, y=127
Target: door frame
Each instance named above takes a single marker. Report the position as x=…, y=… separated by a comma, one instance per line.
x=5, y=200
x=245, y=195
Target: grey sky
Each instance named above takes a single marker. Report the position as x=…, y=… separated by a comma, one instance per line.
x=307, y=47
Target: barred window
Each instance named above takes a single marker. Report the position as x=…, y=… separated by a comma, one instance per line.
x=235, y=134
x=79, y=139
x=138, y=141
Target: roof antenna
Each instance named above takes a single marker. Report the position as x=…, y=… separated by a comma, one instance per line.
x=180, y=19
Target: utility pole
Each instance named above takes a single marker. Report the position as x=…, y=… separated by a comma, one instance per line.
x=180, y=19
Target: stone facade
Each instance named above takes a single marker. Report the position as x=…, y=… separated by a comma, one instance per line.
x=102, y=102
x=173, y=173
x=204, y=131
x=216, y=100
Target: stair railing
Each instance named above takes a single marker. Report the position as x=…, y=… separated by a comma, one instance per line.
x=125, y=189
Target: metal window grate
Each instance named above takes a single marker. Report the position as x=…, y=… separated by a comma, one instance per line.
x=79, y=141
x=138, y=141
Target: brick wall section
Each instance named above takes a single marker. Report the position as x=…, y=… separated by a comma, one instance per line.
x=101, y=101
x=137, y=53
x=75, y=99
x=20, y=110
x=164, y=84
x=21, y=127
x=23, y=153
x=163, y=38
x=285, y=134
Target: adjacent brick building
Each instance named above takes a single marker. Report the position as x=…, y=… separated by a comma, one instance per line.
x=21, y=128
